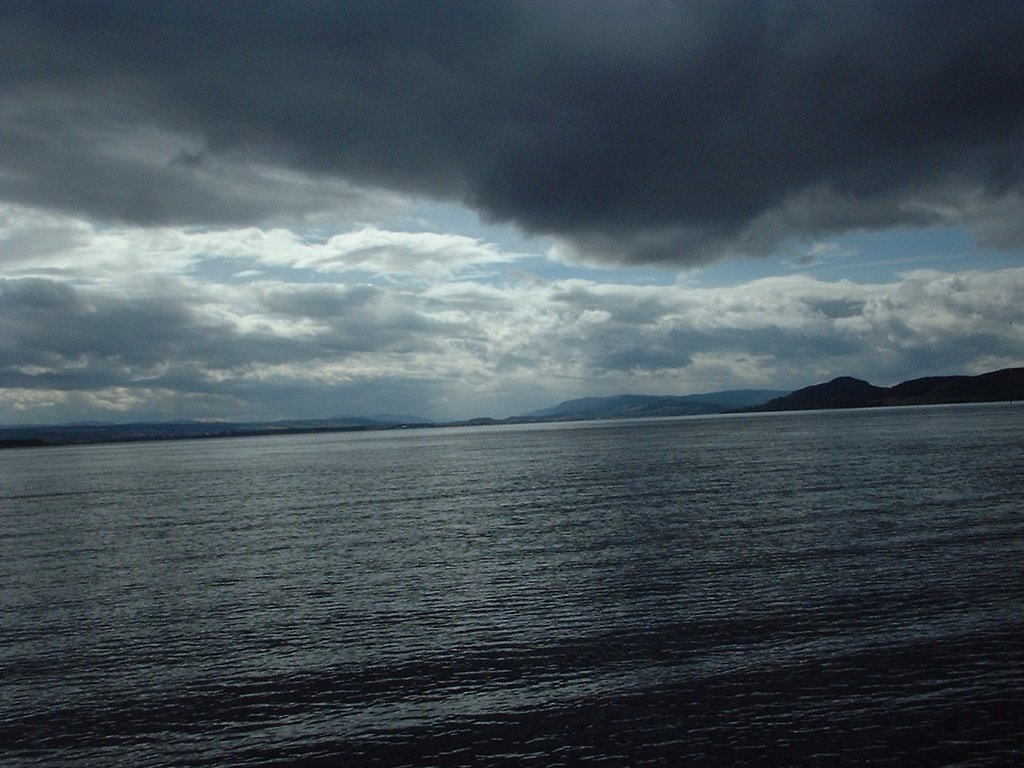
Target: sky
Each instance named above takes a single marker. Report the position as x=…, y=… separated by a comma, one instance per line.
x=272, y=210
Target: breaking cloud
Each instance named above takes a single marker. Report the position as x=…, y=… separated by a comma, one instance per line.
x=163, y=345
x=659, y=132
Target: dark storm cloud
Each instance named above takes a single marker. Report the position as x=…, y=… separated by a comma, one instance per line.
x=653, y=131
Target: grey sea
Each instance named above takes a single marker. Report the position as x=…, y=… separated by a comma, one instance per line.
x=829, y=588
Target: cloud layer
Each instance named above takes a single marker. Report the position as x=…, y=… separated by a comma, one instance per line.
x=464, y=329
x=655, y=132
x=269, y=209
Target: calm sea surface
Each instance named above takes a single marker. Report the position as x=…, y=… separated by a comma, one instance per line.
x=831, y=588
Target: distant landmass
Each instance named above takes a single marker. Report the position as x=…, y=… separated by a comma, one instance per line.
x=646, y=406
x=844, y=392
x=847, y=392
x=96, y=432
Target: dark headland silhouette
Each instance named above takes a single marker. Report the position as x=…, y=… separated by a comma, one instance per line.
x=847, y=392
x=844, y=392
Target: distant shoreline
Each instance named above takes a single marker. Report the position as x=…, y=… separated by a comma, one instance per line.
x=1003, y=386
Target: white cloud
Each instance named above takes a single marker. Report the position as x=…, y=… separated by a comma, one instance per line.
x=38, y=243
x=126, y=321
x=388, y=253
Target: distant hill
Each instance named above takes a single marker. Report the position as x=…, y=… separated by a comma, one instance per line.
x=645, y=406
x=395, y=418
x=847, y=392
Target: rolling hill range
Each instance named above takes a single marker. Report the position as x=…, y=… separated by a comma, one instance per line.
x=646, y=406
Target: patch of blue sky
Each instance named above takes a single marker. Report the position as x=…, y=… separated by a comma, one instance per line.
x=527, y=253
x=864, y=257
x=884, y=255
x=240, y=271
x=448, y=218
x=550, y=270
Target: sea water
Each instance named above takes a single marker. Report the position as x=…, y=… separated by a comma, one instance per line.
x=828, y=588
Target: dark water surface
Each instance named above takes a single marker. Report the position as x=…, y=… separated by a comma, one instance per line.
x=841, y=588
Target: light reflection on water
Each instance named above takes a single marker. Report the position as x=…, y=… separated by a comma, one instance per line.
x=786, y=589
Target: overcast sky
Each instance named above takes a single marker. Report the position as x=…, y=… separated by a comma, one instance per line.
x=258, y=210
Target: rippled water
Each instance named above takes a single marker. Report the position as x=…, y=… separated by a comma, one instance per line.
x=798, y=589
